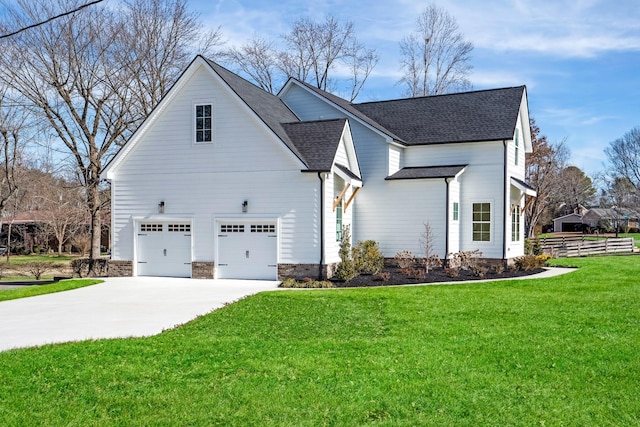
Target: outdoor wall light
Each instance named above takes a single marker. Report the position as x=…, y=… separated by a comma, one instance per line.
x=245, y=206
x=161, y=207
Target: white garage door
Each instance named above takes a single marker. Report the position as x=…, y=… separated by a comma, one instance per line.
x=247, y=251
x=164, y=249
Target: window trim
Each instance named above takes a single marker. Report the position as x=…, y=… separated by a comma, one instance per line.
x=516, y=223
x=339, y=222
x=194, y=121
x=489, y=222
x=517, y=145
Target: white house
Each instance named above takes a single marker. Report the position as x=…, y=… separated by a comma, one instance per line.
x=226, y=180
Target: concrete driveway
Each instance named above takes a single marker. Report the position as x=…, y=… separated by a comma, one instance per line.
x=119, y=307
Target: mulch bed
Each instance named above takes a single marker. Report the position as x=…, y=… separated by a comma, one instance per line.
x=437, y=275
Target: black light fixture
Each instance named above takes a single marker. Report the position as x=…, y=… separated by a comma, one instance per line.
x=161, y=207
x=245, y=206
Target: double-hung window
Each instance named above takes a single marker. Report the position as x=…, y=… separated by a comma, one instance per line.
x=204, y=122
x=482, y=222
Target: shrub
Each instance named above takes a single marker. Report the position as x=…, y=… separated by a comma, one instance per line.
x=433, y=261
x=81, y=266
x=346, y=269
x=405, y=262
x=465, y=259
x=478, y=270
x=38, y=268
x=498, y=268
x=385, y=276
x=452, y=271
x=531, y=262
x=532, y=246
x=418, y=273
x=306, y=284
x=368, y=258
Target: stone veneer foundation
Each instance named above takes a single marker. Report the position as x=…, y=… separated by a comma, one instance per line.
x=119, y=268
x=202, y=270
x=300, y=271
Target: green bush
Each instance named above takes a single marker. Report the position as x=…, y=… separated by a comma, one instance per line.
x=531, y=262
x=368, y=258
x=307, y=284
x=346, y=269
x=532, y=246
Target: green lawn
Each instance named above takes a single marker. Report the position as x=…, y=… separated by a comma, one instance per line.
x=30, y=291
x=21, y=259
x=560, y=351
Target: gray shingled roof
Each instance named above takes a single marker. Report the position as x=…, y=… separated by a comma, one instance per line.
x=316, y=141
x=350, y=108
x=348, y=172
x=487, y=115
x=268, y=107
x=427, y=172
x=612, y=213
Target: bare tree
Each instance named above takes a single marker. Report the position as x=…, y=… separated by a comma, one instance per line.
x=435, y=58
x=12, y=126
x=623, y=155
x=575, y=189
x=430, y=259
x=315, y=49
x=326, y=54
x=62, y=209
x=74, y=75
x=258, y=58
x=157, y=39
x=544, y=167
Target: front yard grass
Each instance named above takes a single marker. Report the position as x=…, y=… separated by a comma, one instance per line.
x=558, y=351
x=33, y=290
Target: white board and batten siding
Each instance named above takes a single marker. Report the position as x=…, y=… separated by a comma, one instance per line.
x=204, y=181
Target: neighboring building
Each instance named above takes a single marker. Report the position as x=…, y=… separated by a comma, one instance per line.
x=568, y=223
x=226, y=180
x=602, y=218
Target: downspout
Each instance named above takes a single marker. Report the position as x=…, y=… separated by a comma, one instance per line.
x=446, y=226
x=504, y=202
x=321, y=226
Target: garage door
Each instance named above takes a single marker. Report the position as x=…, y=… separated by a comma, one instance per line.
x=247, y=251
x=164, y=249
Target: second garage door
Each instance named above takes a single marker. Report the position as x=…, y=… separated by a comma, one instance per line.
x=247, y=250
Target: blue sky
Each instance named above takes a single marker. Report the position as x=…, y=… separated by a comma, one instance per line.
x=580, y=59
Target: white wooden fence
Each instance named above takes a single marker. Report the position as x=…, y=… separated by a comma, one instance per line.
x=572, y=246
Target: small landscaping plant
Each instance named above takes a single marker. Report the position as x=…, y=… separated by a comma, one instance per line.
x=405, y=262
x=429, y=259
x=385, y=276
x=531, y=262
x=465, y=260
x=82, y=266
x=37, y=269
x=306, y=283
x=346, y=269
x=368, y=258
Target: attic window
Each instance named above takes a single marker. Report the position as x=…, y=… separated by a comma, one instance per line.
x=203, y=122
